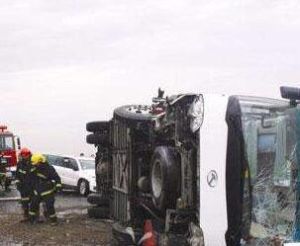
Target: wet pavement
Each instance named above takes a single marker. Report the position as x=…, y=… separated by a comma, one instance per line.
x=74, y=227
x=65, y=200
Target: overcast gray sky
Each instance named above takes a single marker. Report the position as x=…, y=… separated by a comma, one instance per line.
x=64, y=63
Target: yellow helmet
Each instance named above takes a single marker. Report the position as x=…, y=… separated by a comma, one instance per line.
x=37, y=159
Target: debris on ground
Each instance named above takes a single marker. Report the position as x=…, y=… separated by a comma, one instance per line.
x=75, y=229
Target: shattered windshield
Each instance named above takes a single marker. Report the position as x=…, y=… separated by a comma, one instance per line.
x=271, y=133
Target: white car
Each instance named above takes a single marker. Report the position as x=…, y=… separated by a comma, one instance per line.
x=75, y=172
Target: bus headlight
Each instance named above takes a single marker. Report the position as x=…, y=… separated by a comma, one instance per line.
x=196, y=113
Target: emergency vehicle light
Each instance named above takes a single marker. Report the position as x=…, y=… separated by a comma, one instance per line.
x=2, y=128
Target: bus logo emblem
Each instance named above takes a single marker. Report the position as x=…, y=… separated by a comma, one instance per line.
x=212, y=178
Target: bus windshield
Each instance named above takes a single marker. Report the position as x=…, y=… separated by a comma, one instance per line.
x=271, y=133
x=6, y=142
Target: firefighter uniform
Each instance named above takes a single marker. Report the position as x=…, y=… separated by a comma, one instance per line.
x=23, y=181
x=45, y=183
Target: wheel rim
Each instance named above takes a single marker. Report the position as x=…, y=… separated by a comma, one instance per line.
x=139, y=109
x=82, y=188
x=156, y=179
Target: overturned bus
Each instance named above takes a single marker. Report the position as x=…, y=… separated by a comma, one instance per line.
x=196, y=169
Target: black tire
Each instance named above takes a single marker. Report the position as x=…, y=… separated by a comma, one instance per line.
x=45, y=212
x=165, y=178
x=98, y=212
x=97, y=126
x=97, y=199
x=83, y=187
x=120, y=237
x=134, y=112
x=98, y=139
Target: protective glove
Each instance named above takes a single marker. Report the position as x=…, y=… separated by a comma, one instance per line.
x=58, y=187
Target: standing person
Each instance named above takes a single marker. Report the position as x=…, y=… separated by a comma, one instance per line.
x=45, y=182
x=23, y=181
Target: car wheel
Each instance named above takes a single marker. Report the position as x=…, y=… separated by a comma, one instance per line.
x=83, y=187
x=165, y=177
x=134, y=112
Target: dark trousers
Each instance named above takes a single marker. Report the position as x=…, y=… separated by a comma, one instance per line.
x=48, y=200
x=25, y=200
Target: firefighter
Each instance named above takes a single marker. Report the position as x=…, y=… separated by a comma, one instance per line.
x=23, y=181
x=45, y=182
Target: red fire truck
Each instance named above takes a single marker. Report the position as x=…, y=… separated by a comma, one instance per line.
x=9, y=145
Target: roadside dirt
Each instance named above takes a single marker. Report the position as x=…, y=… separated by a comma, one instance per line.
x=74, y=227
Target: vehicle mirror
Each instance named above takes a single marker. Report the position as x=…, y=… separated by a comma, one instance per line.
x=18, y=143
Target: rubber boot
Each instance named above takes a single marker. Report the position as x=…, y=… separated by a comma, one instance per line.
x=33, y=220
x=39, y=219
x=33, y=217
x=45, y=212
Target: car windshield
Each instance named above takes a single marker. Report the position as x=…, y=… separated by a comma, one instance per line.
x=271, y=132
x=87, y=164
x=6, y=142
